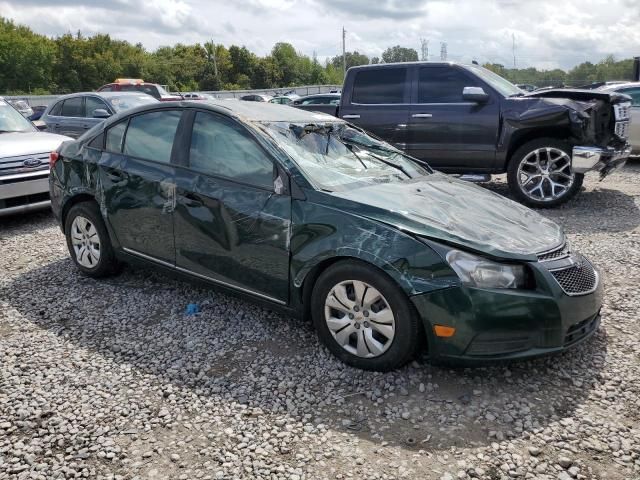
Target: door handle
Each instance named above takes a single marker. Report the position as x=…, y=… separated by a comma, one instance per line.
x=350, y=116
x=191, y=200
x=421, y=115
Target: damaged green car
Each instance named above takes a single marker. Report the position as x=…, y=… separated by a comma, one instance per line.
x=308, y=214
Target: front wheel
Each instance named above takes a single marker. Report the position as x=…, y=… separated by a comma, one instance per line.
x=364, y=318
x=540, y=173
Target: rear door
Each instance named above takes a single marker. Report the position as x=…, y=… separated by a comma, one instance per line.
x=71, y=120
x=138, y=180
x=230, y=225
x=450, y=133
x=378, y=101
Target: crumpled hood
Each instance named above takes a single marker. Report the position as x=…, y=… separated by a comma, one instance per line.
x=26, y=143
x=443, y=208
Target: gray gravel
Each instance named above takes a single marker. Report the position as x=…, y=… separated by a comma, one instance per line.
x=110, y=380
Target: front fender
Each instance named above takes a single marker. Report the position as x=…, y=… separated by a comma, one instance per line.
x=320, y=233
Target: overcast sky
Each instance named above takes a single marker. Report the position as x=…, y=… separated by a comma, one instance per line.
x=548, y=34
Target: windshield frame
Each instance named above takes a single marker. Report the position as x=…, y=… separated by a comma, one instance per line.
x=418, y=168
x=498, y=83
x=28, y=126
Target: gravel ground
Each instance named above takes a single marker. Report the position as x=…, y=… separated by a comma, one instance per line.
x=109, y=379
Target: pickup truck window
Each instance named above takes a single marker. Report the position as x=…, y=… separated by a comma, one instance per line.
x=442, y=85
x=503, y=86
x=337, y=157
x=378, y=86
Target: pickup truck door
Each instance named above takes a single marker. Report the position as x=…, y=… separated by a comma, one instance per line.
x=453, y=135
x=377, y=100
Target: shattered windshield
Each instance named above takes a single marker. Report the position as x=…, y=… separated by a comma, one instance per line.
x=336, y=156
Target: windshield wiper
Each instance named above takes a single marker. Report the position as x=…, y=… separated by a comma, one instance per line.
x=377, y=157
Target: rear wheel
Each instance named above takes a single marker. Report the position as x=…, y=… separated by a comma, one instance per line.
x=363, y=317
x=88, y=241
x=540, y=173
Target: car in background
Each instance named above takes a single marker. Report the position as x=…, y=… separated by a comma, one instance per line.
x=22, y=106
x=74, y=114
x=320, y=102
x=467, y=120
x=38, y=110
x=24, y=162
x=282, y=100
x=138, y=85
x=633, y=90
x=256, y=97
x=527, y=87
x=312, y=216
x=194, y=96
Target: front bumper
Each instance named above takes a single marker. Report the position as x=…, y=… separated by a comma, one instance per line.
x=604, y=160
x=498, y=324
x=22, y=193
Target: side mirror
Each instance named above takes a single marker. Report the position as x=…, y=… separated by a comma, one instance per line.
x=474, y=94
x=101, y=113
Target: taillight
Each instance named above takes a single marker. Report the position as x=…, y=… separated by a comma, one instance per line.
x=53, y=158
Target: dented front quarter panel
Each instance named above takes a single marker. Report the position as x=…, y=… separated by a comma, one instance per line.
x=322, y=232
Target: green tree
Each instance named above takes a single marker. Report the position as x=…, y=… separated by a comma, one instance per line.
x=399, y=54
x=353, y=59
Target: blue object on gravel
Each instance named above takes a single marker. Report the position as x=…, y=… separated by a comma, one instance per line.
x=193, y=309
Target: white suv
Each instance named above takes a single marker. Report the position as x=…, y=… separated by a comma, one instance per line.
x=24, y=162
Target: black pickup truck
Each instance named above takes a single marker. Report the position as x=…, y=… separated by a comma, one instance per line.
x=464, y=119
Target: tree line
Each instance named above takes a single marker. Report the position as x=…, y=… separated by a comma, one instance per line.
x=31, y=63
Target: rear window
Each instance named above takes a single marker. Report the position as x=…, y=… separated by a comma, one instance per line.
x=384, y=85
x=114, y=137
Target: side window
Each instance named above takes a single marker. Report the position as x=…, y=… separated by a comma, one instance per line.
x=55, y=111
x=97, y=142
x=150, y=135
x=106, y=88
x=383, y=85
x=441, y=85
x=634, y=93
x=221, y=147
x=92, y=104
x=115, y=135
x=72, y=107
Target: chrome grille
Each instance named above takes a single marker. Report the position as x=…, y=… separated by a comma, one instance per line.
x=578, y=279
x=560, y=252
x=24, y=163
x=622, y=111
x=622, y=129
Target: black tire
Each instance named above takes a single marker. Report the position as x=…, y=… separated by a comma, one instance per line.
x=107, y=264
x=408, y=331
x=517, y=158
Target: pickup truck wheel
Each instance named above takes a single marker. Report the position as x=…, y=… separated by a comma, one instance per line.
x=88, y=241
x=540, y=174
x=364, y=318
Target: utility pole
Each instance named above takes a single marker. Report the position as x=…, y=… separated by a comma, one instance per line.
x=443, y=51
x=344, y=54
x=424, y=46
x=215, y=62
x=513, y=48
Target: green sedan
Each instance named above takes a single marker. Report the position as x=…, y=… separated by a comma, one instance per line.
x=312, y=216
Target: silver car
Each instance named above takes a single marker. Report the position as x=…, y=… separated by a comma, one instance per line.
x=24, y=162
x=74, y=114
x=633, y=90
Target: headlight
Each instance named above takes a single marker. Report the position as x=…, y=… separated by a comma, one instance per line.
x=480, y=272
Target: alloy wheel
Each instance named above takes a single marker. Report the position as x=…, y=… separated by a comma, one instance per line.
x=85, y=241
x=360, y=318
x=545, y=174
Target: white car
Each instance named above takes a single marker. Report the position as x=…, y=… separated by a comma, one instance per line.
x=24, y=162
x=633, y=90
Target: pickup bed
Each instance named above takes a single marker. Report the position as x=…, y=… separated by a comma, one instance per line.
x=465, y=119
